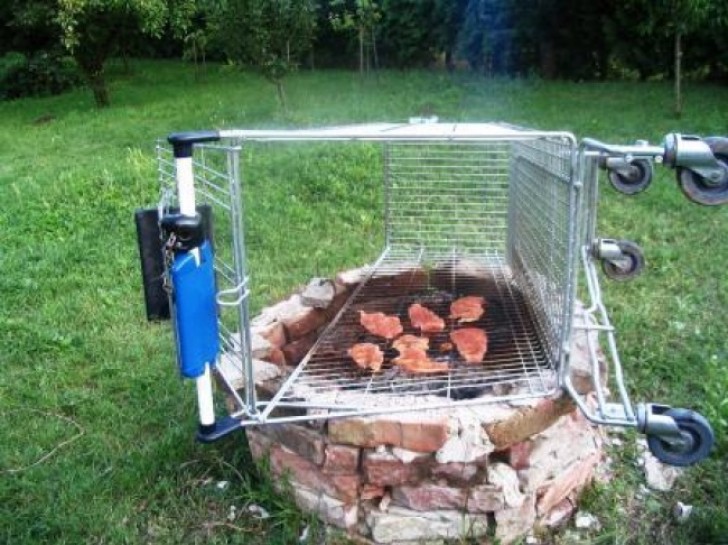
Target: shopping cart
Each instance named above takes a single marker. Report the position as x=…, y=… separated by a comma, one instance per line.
x=518, y=204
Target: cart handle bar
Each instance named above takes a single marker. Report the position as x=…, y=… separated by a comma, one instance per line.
x=183, y=142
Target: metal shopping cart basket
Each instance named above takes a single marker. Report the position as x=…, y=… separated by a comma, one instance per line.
x=515, y=204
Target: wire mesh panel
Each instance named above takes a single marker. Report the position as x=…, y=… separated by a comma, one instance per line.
x=540, y=244
x=447, y=195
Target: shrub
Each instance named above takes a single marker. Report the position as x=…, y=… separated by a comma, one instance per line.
x=41, y=74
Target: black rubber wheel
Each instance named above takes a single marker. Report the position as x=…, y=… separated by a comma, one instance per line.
x=701, y=191
x=636, y=181
x=632, y=265
x=698, y=435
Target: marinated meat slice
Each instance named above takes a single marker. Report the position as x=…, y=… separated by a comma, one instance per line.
x=415, y=360
x=467, y=309
x=471, y=342
x=425, y=320
x=379, y=324
x=367, y=356
x=411, y=341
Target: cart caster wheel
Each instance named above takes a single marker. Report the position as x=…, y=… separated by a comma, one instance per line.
x=696, y=438
x=635, y=180
x=701, y=190
x=628, y=266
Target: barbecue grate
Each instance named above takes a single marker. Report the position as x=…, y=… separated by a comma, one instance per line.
x=516, y=363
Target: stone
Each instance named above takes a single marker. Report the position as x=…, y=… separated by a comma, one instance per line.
x=318, y=293
x=298, y=439
x=407, y=456
x=528, y=421
x=277, y=357
x=331, y=510
x=457, y=449
x=353, y=277
x=512, y=524
x=485, y=499
x=559, y=514
x=659, y=476
x=570, y=481
x=399, y=524
x=426, y=434
x=456, y=473
x=586, y=521
x=383, y=469
x=429, y=497
x=340, y=459
x=555, y=450
x=506, y=478
x=341, y=487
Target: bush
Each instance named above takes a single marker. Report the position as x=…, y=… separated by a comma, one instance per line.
x=41, y=74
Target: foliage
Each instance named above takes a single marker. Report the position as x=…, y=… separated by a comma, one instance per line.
x=269, y=35
x=92, y=30
x=40, y=74
x=361, y=17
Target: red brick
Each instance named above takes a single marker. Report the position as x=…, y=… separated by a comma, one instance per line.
x=386, y=470
x=528, y=421
x=365, y=432
x=274, y=333
x=304, y=322
x=429, y=497
x=426, y=436
x=340, y=459
x=296, y=350
x=276, y=356
x=341, y=487
x=258, y=443
x=371, y=491
x=485, y=498
x=570, y=480
x=299, y=439
x=456, y=473
x=519, y=454
x=421, y=436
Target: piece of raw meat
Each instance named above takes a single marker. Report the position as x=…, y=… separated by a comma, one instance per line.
x=467, y=309
x=471, y=342
x=425, y=320
x=411, y=341
x=367, y=356
x=381, y=325
x=415, y=360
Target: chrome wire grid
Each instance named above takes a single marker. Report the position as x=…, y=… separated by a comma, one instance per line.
x=492, y=219
x=516, y=363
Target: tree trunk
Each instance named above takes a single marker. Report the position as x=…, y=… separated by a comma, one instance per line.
x=678, y=73
x=361, y=50
x=374, y=50
x=93, y=71
x=281, y=95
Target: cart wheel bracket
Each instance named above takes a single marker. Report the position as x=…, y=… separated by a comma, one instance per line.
x=621, y=259
x=678, y=437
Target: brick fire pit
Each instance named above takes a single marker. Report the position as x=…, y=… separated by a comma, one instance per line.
x=498, y=469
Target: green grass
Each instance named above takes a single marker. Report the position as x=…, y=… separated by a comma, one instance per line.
x=78, y=356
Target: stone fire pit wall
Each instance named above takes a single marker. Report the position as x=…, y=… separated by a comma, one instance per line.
x=497, y=470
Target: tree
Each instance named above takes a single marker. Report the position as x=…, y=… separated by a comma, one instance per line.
x=93, y=29
x=362, y=17
x=270, y=35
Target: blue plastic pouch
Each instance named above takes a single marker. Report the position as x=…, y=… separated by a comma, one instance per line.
x=195, y=310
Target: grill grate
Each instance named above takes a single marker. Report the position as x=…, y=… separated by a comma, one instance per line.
x=516, y=363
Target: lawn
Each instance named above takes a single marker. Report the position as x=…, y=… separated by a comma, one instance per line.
x=85, y=374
